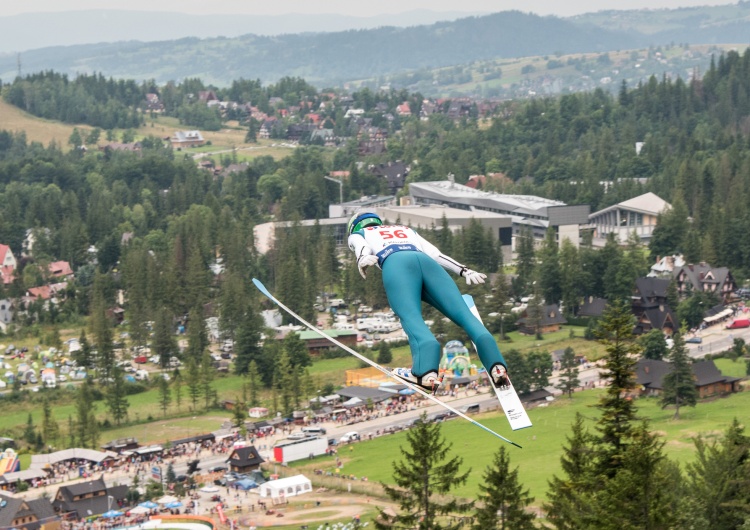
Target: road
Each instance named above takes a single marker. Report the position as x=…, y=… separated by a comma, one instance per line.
x=717, y=339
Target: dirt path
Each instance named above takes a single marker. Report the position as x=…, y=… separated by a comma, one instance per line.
x=319, y=506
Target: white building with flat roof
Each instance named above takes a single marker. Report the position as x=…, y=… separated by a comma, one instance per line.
x=638, y=215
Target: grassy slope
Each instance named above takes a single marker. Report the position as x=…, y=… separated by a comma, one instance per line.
x=542, y=444
x=47, y=131
x=37, y=129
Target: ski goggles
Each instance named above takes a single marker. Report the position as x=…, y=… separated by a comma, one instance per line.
x=363, y=223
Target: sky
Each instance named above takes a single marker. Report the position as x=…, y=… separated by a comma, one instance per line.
x=347, y=7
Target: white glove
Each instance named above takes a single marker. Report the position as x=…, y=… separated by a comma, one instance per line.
x=366, y=261
x=473, y=277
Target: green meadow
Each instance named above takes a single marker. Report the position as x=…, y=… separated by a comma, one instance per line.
x=539, y=459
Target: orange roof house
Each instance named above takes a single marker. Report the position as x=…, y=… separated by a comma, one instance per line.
x=59, y=269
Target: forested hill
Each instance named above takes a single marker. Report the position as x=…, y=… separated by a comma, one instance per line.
x=328, y=58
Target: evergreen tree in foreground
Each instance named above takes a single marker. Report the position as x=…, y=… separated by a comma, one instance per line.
x=569, y=495
x=618, y=410
x=504, y=500
x=423, y=480
x=644, y=494
x=678, y=386
x=719, y=479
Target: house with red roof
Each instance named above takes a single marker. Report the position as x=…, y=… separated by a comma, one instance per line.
x=60, y=269
x=45, y=292
x=8, y=264
x=403, y=109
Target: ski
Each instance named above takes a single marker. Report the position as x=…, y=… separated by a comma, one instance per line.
x=262, y=288
x=507, y=396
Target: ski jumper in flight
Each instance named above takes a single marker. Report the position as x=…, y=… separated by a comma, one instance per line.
x=414, y=270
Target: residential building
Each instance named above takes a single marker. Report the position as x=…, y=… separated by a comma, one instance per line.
x=394, y=173
x=665, y=266
x=60, y=269
x=708, y=379
x=187, y=139
x=592, y=307
x=660, y=317
x=89, y=498
x=317, y=345
x=703, y=277
x=245, y=460
x=27, y=514
x=7, y=264
x=551, y=319
x=535, y=213
x=638, y=215
x=648, y=293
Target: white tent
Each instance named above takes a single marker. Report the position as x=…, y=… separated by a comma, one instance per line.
x=286, y=487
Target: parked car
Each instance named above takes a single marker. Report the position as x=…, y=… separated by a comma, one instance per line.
x=470, y=409
x=349, y=437
x=313, y=430
x=299, y=435
x=217, y=469
x=141, y=359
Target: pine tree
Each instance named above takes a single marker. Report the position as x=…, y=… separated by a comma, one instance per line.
x=642, y=494
x=177, y=389
x=29, y=432
x=570, y=280
x=678, y=386
x=526, y=260
x=85, y=414
x=193, y=382
x=499, y=300
x=719, y=478
x=568, y=381
x=285, y=382
x=296, y=349
x=207, y=376
x=253, y=383
x=50, y=428
x=423, y=481
x=618, y=410
x=197, y=334
x=548, y=268
x=165, y=395
x=385, y=355
x=117, y=402
x=569, y=497
x=101, y=327
x=83, y=356
x=164, y=344
x=503, y=501
x=247, y=346
x=239, y=413
x=233, y=303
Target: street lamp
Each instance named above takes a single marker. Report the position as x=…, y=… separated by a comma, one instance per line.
x=341, y=187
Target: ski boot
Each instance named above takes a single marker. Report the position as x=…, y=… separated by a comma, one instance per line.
x=430, y=381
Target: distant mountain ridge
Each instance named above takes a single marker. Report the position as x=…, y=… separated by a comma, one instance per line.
x=31, y=31
x=326, y=57
x=334, y=58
